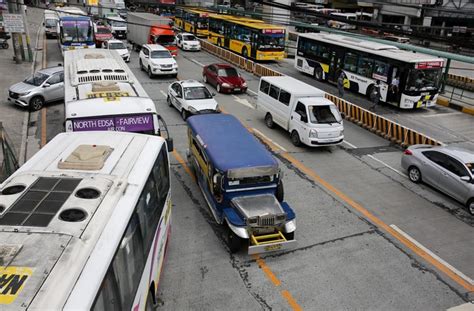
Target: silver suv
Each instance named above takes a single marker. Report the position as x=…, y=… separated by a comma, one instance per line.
x=45, y=85
x=449, y=169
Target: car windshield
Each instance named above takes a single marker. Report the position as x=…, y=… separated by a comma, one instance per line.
x=423, y=80
x=160, y=54
x=198, y=92
x=117, y=46
x=37, y=79
x=324, y=114
x=102, y=30
x=189, y=38
x=227, y=72
x=50, y=22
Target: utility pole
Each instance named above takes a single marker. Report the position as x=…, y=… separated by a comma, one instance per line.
x=27, y=32
x=12, y=8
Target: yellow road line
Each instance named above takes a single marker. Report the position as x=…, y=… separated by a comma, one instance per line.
x=272, y=277
x=291, y=301
x=43, y=111
x=375, y=220
x=183, y=163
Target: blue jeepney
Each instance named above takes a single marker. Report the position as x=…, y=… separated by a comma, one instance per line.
x=241, y=182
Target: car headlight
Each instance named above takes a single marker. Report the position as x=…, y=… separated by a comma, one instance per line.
x=313, y=133
x=192, y=109
x=342, y=132
x=225, y=84
x=24, y=93
x=252, y=221
x=244, y=84
x=175, y=66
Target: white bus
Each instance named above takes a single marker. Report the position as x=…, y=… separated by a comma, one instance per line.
x=102, y=94
x=341, y=25
x=75, y=29
x=85, y=223
x=407, y=79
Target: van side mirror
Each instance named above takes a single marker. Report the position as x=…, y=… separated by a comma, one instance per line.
x=169, y=143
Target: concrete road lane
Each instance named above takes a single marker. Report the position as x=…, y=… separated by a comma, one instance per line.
x=343, y=260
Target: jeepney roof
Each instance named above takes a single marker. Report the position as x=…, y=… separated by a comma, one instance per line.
x=228, y=144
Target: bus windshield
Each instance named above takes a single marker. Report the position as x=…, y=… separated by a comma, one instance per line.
x=271, y=42
x=324, y=114
x=76, y=31
x=426, y=79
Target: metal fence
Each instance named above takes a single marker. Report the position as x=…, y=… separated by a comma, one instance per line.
x=8, y=157
x=382, y=126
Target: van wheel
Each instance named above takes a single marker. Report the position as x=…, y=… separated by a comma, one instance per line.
x=141, y=65
x=184, y=114
x=318, y=74
x=295, y=138
x=269, y=121
x=280, y=192
x=470, y=206
x=150, y=73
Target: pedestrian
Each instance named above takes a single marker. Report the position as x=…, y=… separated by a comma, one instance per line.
x=340, y=84
x=375, y=95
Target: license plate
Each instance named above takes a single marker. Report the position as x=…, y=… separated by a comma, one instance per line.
x=236, y=89
x=270, y=248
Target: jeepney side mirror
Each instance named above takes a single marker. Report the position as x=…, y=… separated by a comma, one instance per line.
x=169, y=143
x=217, y=181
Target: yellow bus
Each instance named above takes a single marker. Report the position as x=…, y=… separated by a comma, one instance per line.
x=194, y=21
x=248, y=37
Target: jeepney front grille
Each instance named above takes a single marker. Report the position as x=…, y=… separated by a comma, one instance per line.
x=265, y=221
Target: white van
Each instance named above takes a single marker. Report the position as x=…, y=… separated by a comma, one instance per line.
x=301, y=109
x=50, y=24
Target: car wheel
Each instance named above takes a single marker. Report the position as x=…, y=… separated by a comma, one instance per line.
x=150, y=73
x=36, y=103
x=470, y=206
x=168, y=100
x=269, y=121
x=234, y=242
x=141, y=65
x=184, y=114
x=204, y=78
x=414, y=174
x=218, y=87
x=295, y=138
x=318, y=74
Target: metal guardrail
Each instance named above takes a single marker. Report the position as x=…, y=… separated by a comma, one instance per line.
x=382, y=126
x=461, y=82
x=8, y=158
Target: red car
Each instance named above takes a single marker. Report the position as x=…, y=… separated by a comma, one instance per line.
x=102, y=33
x=224, y=77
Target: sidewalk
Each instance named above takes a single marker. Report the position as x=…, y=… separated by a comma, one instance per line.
x=15, y=119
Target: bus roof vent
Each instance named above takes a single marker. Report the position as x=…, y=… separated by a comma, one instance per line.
x=39, y=204
x=99, y=66
x=93, y=56
x=86, y=157
x=105, y=86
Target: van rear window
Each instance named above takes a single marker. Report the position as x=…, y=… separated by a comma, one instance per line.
x=274, y=92
x=264, y=86
x=285, y=97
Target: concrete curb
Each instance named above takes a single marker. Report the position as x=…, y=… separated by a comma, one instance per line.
x=446, y=103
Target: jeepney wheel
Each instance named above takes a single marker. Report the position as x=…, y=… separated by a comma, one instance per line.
x=280, y=192
x=289, y=236
x=245, y=53
x=234, y=242
x=318, y=74
x=269, y=121
x=295, y=138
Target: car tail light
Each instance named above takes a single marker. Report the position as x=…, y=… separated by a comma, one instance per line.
x=407, y=152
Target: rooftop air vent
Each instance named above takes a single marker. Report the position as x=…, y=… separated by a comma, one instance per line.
x=72, y=215
x=93, y=56
x=86, y=157
x=87, y=193
x=13, y=189
x=106, y=86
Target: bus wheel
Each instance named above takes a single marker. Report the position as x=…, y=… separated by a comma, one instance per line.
x=269, y=121
x=370, y=89
x=234, y=242
x=318, y=73
x=295, y=138
x=245, y=53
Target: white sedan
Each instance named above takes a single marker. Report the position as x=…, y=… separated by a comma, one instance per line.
x=118, y=46
x=191, y=97
x=188, y=42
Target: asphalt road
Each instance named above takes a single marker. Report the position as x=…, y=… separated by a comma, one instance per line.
x=350, y=200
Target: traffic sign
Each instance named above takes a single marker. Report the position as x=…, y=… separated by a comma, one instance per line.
x=13, y=23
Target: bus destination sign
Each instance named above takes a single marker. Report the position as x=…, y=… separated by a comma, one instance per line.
x=429, y=65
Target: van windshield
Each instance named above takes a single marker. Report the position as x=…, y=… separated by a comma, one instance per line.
x=50, y=22
x=324, y=114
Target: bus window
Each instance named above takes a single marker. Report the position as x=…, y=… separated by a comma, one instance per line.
x=350, y=62
x=324, y=52
x=380, y=71
x=109, y=296
x=365, y=67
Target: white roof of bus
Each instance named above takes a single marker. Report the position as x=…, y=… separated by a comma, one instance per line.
x=294, y=86
x=376, y=48
x=54, y=256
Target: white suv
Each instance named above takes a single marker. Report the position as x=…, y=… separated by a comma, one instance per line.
x=191, y=97
x=157, y=60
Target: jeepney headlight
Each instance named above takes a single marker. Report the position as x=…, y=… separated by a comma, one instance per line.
x=252, y=221
x=313, y=133
x=281, y=218
x=218, y=109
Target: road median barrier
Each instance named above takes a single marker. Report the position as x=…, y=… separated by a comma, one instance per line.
x=462, y=82
x=369, y=120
